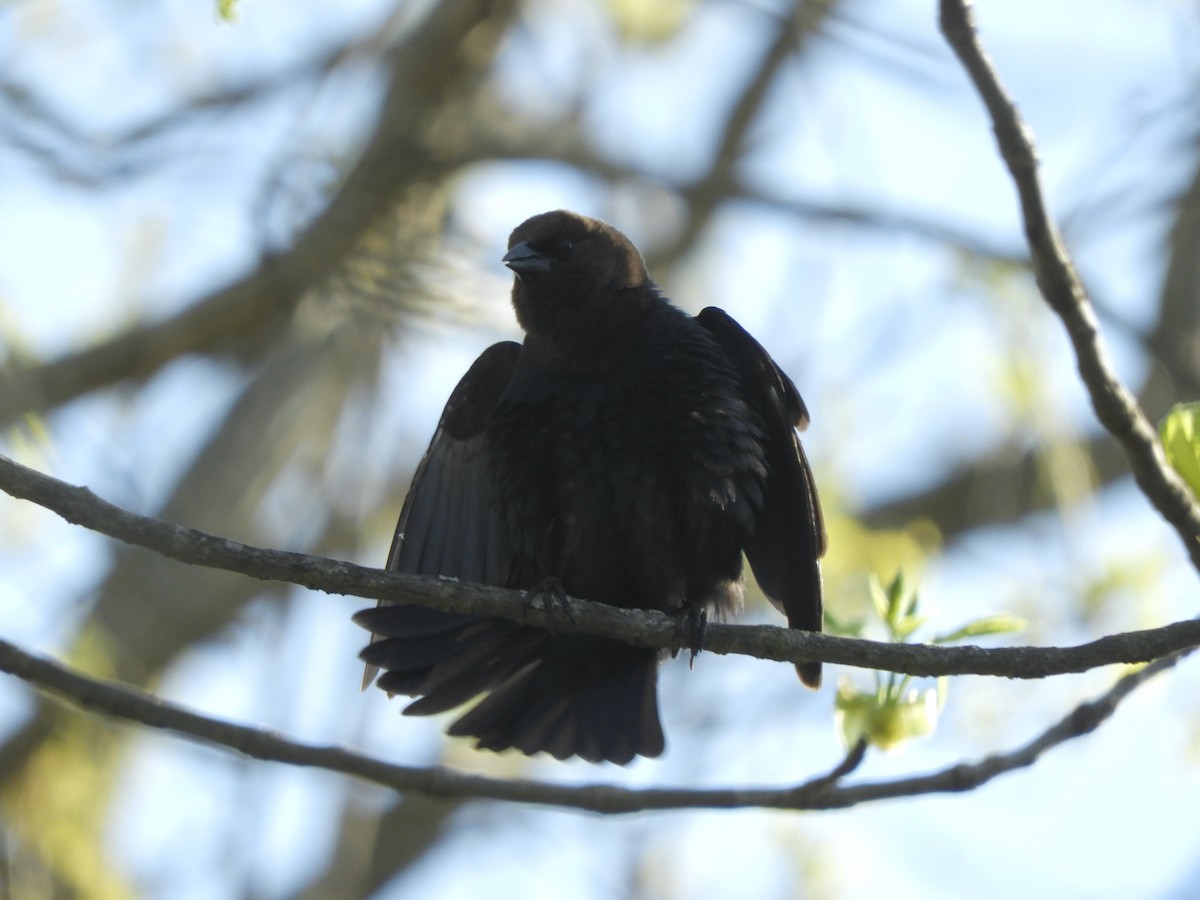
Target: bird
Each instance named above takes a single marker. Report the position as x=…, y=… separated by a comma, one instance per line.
x=626, y=452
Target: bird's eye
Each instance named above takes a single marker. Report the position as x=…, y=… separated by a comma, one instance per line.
x=558, y=250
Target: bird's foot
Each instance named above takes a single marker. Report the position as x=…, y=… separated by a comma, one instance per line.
x=692, y=624
x=551, y=599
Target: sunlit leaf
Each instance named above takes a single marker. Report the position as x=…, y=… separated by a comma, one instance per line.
x=649, y=21
x=1001, y=623
x=879, y=598
x=1180, y=433
x=843, y=627
x=917, y=713
x=854, y=712
x=906, y=626
x=884, y=721
x=898, y=599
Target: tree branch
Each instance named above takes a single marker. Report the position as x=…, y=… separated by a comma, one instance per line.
x=642, y=628
x=822, y=792
x=1116, y=407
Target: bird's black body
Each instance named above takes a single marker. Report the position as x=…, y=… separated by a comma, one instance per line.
x=626, y=450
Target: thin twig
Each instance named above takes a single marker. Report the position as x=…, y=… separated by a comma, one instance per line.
x=822, y=792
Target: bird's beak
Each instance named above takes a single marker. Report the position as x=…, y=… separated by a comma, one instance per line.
x=526, y=261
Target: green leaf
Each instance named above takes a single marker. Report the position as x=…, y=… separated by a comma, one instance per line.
x=1001, y=623
x=854, y=712
x=843, y=627
x=882, y=720
x=650, y=21
x=898, y=600
x=1180, y=433
x=918, y=713
x=906, y=626
x=879, y=599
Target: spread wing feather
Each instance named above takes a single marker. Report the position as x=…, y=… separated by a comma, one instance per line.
x=449, y=527
x=788, y=537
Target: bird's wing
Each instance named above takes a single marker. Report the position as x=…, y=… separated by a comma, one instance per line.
x=789, y=534
x=449, y=525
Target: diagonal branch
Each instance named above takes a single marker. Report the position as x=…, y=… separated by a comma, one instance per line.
x=822, y=792
x=1116, y=407
x=642, y=628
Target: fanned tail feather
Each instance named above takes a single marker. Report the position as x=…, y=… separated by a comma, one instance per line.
x=568, y=695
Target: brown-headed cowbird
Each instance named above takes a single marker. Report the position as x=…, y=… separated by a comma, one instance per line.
x=627, y=452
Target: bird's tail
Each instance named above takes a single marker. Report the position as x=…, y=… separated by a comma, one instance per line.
x=569, y=695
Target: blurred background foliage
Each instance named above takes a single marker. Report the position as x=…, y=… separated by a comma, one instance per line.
x=247, y=249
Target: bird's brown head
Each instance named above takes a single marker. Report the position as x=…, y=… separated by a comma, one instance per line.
x=570, y=268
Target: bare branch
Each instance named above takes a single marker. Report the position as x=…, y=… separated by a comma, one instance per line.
x=1116, y=407
x=822, y=792
x=642, y=628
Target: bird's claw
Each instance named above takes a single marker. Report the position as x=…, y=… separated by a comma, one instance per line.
x=551, y=598
x=692, y=623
